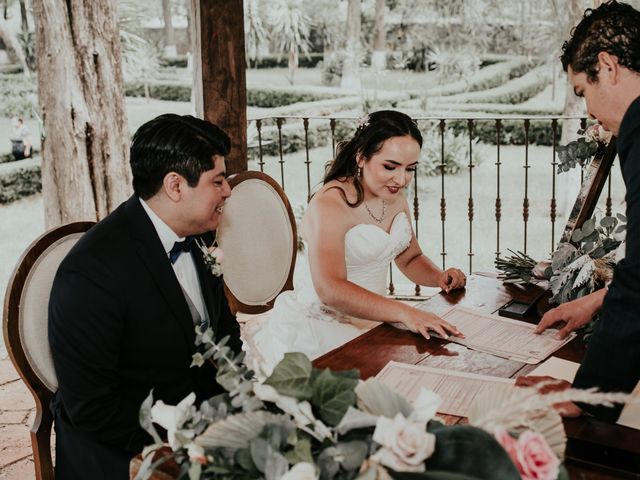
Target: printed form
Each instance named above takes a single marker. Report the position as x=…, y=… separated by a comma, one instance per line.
x=503, y=337
x=457, y=389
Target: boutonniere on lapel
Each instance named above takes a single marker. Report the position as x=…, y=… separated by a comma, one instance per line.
x=212, y=257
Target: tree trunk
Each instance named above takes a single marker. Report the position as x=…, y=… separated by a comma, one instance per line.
x=170, y=49
x=85, y=171
x=13, y=47
x=569, y=182
x=351, y=65
x=379, y=56
x=23, y=18
x=292, y=64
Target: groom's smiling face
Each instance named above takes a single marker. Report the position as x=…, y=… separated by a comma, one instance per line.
x=202, y=205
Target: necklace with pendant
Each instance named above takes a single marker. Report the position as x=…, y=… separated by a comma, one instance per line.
x=381, y=217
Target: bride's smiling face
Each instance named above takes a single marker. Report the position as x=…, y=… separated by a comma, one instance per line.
x=390, y=169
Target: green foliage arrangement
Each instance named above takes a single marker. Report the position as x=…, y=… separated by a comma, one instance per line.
x=577, y=268
x=581, y=151
x=580, y=267
x=306, y=423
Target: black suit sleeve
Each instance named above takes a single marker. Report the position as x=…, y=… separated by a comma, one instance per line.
x=612, y=360
x=86, y=325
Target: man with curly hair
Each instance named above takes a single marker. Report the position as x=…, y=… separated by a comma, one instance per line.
x=602, y=60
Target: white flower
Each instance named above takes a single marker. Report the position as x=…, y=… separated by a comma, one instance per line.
x=301, y=471
x=363, y=122
x=405, y=444
x=300, y=411
x=196, y=453
x=172, y=418
x=425, y=406
x=597, y=133
x=213, y=257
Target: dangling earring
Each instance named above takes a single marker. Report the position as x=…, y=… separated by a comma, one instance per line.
x=359, y=174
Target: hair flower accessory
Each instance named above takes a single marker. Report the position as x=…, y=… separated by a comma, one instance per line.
x=213, y=257
x=363, y=122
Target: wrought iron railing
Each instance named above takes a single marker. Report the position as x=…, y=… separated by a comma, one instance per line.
x=273, y=139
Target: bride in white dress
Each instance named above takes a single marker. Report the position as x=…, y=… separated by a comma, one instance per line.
x=355, y=225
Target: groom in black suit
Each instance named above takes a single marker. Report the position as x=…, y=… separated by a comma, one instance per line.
x=126, y=300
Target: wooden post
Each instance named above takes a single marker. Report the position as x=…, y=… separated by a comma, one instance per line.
x=219, y=68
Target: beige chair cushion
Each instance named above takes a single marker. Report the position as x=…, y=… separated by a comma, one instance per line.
x=34, y=309
x=256, y=236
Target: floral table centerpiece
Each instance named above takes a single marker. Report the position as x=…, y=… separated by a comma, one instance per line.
x=306, y=423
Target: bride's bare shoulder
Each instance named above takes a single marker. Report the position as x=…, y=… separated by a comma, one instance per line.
x=329, y=205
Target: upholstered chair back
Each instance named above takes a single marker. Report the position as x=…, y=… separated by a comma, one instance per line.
x=26, y=331
x=257, y=234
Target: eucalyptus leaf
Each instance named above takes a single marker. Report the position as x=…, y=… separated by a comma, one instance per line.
x=352, y=454
x=195, y=471
x=621, y=217
x=577, y=235
x=608, y=222
x=598, y=253
x=327, y=463
x=301, y=452
x=292, y=376
x=144, y=417
x=243, y=459
x=259, y=450
x=588, y=227
x=332, y=396
x=378, y=399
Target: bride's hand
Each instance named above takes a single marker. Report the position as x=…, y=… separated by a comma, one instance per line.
x=422, y=322
x=451, y=279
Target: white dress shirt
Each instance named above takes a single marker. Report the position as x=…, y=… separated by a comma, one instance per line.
x=184, y=267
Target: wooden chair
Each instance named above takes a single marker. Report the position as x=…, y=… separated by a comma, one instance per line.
x=258, y=237
x=26, y=331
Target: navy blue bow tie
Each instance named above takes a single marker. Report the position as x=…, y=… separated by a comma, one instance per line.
x=180, y=247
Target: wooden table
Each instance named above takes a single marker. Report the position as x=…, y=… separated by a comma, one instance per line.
x=595, y=450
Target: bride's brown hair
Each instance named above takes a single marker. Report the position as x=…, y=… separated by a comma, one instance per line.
x=373, y=131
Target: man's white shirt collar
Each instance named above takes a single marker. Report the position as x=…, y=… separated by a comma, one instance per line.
x=167, y=236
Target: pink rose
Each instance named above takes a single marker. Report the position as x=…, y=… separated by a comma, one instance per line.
x=531, y=454
x=507, y=442
x=536, y=460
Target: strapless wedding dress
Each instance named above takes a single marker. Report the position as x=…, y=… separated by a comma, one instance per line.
x=300, y=322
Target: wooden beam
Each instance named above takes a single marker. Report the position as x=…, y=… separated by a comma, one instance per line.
x=220, y=88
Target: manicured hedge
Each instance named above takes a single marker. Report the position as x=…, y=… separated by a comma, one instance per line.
x=514, y=91
x=179, y=61
x=172, y=91
x=11, y=68
x=256, y=97
x=488, y=77
x=17, y=95
x=512, y=132
x=281, y=61
x=19, y=182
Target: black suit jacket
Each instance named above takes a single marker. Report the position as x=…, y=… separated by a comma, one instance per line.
x=612, y=361
x=119, y=326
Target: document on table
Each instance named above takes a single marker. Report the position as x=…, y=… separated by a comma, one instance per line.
x=557, y=368
x=503, y=337
x=457, y=389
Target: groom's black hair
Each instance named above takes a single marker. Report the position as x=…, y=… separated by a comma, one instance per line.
x=174, y=143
